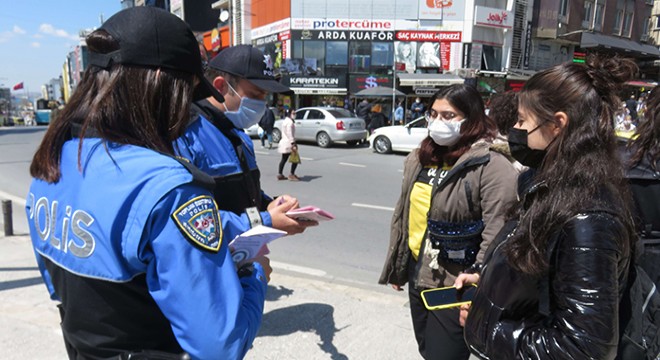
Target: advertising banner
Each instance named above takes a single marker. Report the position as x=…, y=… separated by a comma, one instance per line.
x=493, y=18
x=341, y=24
x=412, y=35
x=361, y=82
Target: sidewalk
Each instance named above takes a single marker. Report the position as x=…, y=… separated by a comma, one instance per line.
x=305, y=317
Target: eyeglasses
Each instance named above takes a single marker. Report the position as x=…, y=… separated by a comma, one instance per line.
x=435, y=115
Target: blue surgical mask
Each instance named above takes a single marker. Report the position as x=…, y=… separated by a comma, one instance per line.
x=249, y=111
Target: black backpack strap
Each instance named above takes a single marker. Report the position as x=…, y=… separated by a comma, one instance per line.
x=200, y=178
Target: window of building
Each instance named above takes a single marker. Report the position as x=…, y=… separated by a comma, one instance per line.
x=627, y=24
x=563, y=11
x=359, y=56
x=618, y=22
x=336, y=71
x=598, y=21
x=337, y=53
x=588, y=14
x=657, y=22
x=314, y=50
x=382, y=54
x=492, y=58
x=296, y=49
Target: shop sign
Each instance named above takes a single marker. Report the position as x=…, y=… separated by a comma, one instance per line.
x=361, y=82
x=341, y=24
x=272, y=28
x=317, y=82
x=494, y=18
x=266, y=40
x=425, y=91
x=343, y=35
x=528, y=45
x=441, y=10
x=285, y=35
x=514, y=85
x=447, y=36
x=215, y=39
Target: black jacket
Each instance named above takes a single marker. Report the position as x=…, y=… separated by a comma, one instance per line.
x=267, y=121
x=587, y=277
x=377, y=120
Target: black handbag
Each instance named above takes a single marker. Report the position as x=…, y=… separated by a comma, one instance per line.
x=459, y=243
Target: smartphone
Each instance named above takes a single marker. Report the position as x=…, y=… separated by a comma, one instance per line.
x=448, y=297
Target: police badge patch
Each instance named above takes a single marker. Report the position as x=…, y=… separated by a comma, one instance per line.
x=199, y=221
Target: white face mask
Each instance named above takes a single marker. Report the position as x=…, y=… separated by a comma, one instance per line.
x=249, y=111
x=445, y=133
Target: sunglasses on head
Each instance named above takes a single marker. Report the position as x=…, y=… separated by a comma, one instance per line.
x=435, y=115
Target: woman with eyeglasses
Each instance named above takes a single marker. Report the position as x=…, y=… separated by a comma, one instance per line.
x=456, y=189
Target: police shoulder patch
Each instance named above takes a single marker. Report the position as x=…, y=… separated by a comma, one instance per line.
x=199, y=221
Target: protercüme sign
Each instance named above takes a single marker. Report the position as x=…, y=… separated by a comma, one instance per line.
x=342, y=24
x=343, y=35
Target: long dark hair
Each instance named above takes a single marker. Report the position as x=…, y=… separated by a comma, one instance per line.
x=646, y=141
x=580, y=170
x=476, y=126
x=126, y=104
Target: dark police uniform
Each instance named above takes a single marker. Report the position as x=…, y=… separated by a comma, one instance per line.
x=132, y=245
x=215, y=146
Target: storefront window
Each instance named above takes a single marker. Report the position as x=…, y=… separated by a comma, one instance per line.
x=336, y=71
x=359, y=56
x=314, y=50
x=382, y=54
x=492, y=58
x=297, y=49
x=337, y=53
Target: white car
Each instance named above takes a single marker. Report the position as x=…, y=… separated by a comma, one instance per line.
x=325, y=125
x=404, y=138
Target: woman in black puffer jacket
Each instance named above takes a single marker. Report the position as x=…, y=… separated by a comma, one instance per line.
x=552, y=280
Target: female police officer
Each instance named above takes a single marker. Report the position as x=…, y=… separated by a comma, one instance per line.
x=125, y=235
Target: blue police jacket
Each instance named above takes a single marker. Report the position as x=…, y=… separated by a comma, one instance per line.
x=226, y=153
x=133, y=248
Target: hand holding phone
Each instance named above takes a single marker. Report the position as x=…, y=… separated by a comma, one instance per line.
x=448, y=297
x=309, y=213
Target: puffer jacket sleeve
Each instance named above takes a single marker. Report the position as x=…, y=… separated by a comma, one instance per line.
x=584, y=298
x=498, y=193
x=398, y=253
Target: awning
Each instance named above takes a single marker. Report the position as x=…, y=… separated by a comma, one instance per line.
x=589, y=40
x=641, y=83
x=320, y=91
x=429, y=79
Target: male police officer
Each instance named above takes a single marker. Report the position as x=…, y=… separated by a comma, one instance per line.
x=216, y=143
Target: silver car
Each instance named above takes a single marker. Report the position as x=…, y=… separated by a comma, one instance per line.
x=325, y=125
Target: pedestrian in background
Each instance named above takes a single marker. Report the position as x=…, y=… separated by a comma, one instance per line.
x=399, y=114
x=552, y=281
x=287, y=146
x=215, y=142
x=416, y=109
x=127, y=236
x=455, y=191
x=504, y=111
x=267, y=123
x=378, y=119
x=642, y=161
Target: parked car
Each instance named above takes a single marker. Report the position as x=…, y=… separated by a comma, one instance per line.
x=404, y=138
x=325, y=125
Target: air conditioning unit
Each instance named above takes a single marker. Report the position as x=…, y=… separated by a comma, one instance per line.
x=644, y=37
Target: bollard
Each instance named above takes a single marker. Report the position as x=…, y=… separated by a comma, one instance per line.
x=7, y=218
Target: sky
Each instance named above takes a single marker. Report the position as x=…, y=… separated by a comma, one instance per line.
x=36, y=36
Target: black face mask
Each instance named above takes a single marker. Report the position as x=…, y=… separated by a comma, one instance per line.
x=521, y=151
